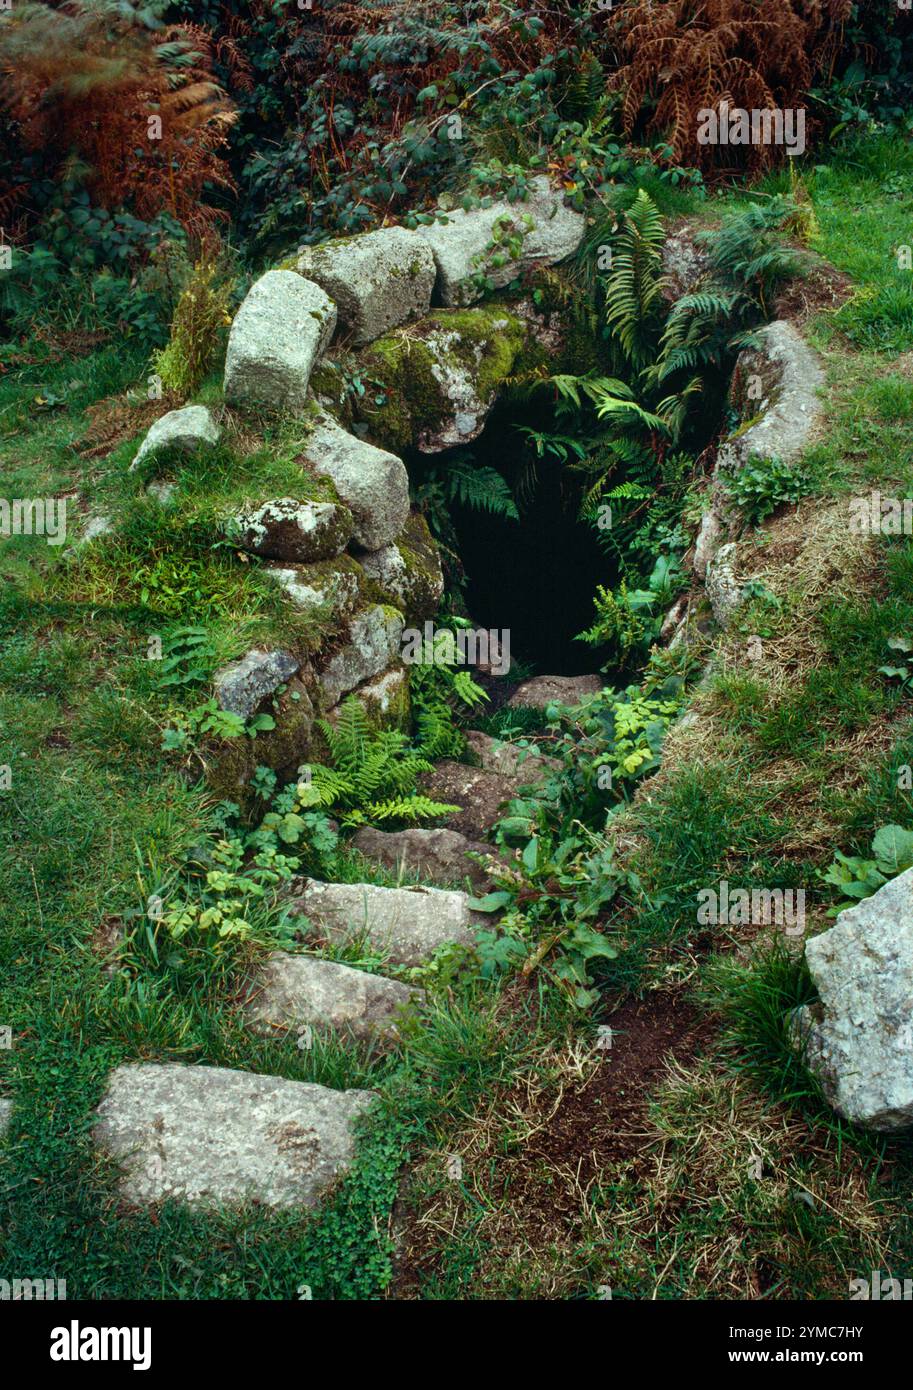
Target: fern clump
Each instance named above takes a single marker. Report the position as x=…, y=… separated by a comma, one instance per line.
x=665, y=359
x=373, y=774
x=585, y=89
x=687, y=56
x=746, y=252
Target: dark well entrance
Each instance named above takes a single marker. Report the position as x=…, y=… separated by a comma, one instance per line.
x=537, y=576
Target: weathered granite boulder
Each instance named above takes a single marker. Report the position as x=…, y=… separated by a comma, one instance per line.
x=563, y=690
x=385, y=699
x=709, y=539
x=724, y=592
x=775, y=389
x=373, y=484
x=438, y=855
x=329, y=588
x=288, y=529
x=463, y=245
x=440, y=378
x=859, y=1039
x=184, y=430
x=245, y=684
x=510, y=760
x=210, y=1135
x=371, y=644
x=377, y=280
x=408, y=572
x=292, y=992
x=278, y=334
x=408, y=924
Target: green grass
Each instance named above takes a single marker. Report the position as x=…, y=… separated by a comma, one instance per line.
x=864, y=206
x=96, y=811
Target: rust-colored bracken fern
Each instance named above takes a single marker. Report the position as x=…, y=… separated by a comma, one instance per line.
x=137, y=109
x=679, y=57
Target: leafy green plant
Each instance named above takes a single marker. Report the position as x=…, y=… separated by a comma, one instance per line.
x=747, y=252
x=628, y=620
x=209, y=718
x=222, y=909
x=187, y=657
x=904, y=673
x=443, y=695
x=200, y=317
x=857, y=878
x=373, y=774
x=552, y=902
x=763, y=484
x=223, y=897
x=505, y=246
x=558, y=890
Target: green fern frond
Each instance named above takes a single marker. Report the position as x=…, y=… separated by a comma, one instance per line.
x=610, y=407
x=585, y=90
x=408, y=808
x=635, y=281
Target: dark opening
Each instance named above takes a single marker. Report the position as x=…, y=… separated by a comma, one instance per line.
x=536, y=576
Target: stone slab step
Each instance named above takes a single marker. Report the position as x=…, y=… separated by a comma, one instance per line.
x=563, y=690
x=409, y=924
x=211, y=1135
x=438, y=855
x=481, y=795
x=296, y=991
x=509, y=759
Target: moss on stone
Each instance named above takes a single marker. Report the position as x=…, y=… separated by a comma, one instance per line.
x=401, y=364
x=386, y=699
x=329, y=384
x=482, y=343
x=232, y=764
x=423, y=566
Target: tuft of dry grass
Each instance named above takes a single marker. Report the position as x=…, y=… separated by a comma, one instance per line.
x=734, y=1197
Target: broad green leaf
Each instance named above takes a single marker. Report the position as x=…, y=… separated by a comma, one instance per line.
x=893, y=848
